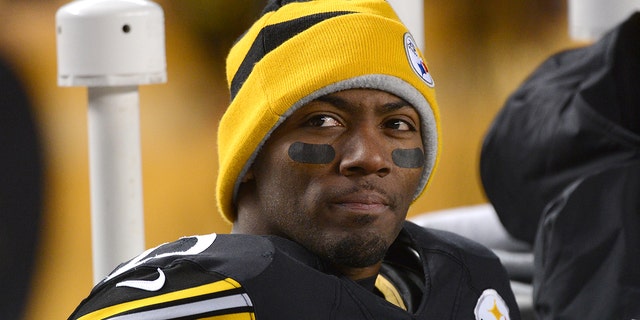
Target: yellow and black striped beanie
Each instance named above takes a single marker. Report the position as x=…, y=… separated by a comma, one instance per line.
x=300, y=50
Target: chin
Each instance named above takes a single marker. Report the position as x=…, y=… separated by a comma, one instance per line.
x=358, y=250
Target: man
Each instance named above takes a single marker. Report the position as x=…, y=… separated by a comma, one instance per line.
x=331, y=133
x=561, y=166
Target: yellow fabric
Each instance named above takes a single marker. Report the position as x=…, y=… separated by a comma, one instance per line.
x=235, y=316
x=110, y=311
x=369, y=42
x=390, y=292
x=293, y=11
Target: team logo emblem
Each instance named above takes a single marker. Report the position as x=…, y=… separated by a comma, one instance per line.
x=416, y=61
x=491, y=306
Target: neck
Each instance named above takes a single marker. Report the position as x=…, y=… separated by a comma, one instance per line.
x=252, y=224
x=249, y=224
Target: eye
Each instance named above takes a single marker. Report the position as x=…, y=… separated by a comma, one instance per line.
x=400, y=125
x=323, y=120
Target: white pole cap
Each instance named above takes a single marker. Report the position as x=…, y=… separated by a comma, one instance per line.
x=411, y=13
x=103, y=43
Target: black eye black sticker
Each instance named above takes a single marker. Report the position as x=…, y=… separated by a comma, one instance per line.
x=408, y=158
x=312, y=153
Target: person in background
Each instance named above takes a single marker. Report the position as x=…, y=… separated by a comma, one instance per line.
x=561, y=166
x=332, y=132
x=21, y=193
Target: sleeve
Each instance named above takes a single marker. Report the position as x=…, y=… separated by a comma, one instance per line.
x=490, y=283
x=167, y=282
x=588, y=249
x=487, y=289
x=464, y=276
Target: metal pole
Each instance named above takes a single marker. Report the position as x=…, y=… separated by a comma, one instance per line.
x=116, y=176
x=112, y=47
x=411, y=12
x=591, y=19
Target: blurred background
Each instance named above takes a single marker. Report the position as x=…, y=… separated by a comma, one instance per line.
x=477, y=51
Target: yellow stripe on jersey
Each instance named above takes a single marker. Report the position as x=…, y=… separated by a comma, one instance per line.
x=389, y=291
x=235, y=316
x=215, y=287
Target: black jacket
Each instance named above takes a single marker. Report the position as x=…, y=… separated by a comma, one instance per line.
x=265, y=277
x=561, y=166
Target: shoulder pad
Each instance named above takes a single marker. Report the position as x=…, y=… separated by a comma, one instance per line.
x=237, y=256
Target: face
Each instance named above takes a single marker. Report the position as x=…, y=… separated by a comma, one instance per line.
x=339, y=174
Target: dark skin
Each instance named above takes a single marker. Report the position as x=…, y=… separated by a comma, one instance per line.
x=347, y=211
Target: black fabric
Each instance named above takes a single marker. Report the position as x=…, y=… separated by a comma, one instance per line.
x=368, y=283
x=274, y=5
x=285, y=281
x=561, y=165
x=237, y=256
x=616, y=96
x=270, y=38
x=565, y=121
x=21, y=193
x=588, y=251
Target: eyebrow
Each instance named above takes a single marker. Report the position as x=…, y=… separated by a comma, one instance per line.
x=345, y=105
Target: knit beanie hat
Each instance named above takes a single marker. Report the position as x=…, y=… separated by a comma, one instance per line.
x=300, y=50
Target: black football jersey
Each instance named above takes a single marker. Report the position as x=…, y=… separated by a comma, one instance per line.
x=437, y=274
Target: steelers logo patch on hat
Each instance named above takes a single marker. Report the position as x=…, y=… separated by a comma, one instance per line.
x=491, y=306
x=415, y=60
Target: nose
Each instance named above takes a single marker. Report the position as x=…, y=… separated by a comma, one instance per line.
x=364, y=153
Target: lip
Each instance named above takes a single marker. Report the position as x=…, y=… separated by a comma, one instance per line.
x=365, y=202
